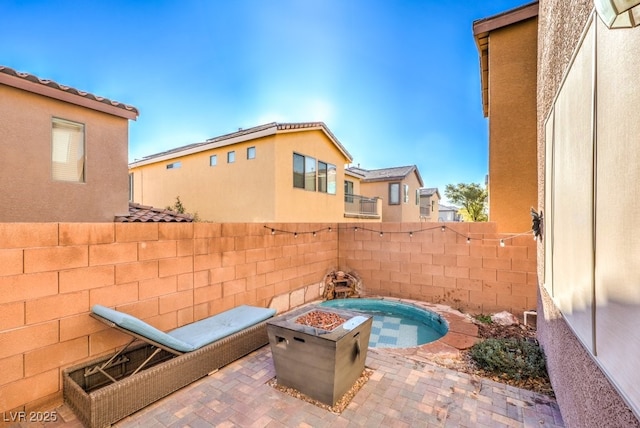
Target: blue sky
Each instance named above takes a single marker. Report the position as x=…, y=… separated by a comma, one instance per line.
x=397, y=81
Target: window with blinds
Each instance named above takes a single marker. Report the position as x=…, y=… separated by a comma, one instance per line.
x=67, y=151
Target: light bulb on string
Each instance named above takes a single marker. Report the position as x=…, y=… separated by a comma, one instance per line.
x=468, y=240
x=273, y=231
x=381, y=233
x=502, y=243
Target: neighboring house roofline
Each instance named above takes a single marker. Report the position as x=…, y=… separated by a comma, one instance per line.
x=443, y=207
x=352, y=173
x=239, y=137
x=386, y=174
x=49, y=88
x=146, y=214
x=429, y=191
x=482, y=28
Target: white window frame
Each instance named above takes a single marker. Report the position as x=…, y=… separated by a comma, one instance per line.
x=68, y=151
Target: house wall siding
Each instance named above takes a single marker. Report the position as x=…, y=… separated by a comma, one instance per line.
x=583, y=391
x=28, y=190
x=512, y=137
x=247, y=190
x=402, y=212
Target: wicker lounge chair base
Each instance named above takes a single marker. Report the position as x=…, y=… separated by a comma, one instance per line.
x=98, y=402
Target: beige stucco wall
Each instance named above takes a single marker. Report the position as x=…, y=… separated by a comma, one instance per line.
x=248, y=190
x=512, y=125
x=28, y=192
x=584, y=393
x=403, y=212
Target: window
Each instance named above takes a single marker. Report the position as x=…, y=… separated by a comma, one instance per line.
x=67, y=151
x=348, y=191
x=306, y=176
x=251, y=153
x=322, y=177
x=417, y=196
x=304, y=172
x=309, y=173
x=332, y=174
x=298, y=171
x=231, y=157
x=406, y=193
x=213, y=160
x=131, y=187
x=174, y=165
x=394, y=193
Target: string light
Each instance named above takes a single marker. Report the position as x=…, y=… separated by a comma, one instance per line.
x=443, y=228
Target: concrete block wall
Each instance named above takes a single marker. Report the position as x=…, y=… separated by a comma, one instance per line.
x=169, y=274
x=421, y=261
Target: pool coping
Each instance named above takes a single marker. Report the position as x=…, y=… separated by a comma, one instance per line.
x=462, y=333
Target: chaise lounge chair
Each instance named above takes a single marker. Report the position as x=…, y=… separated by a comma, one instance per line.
x=106, y=390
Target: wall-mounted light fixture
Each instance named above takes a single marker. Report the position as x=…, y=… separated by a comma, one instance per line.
x=619, y=13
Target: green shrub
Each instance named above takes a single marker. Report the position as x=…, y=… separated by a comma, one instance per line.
x=515, y=358
x=483, y=318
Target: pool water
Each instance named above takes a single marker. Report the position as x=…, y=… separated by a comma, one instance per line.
x=395, y=324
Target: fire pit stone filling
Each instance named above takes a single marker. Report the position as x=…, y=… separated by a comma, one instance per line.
x=319, y=352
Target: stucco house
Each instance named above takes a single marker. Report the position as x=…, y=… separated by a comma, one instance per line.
x=64, y=152
x=430, y=204
x=277, y=172
x=448, y=213
x=507, y=48
x=397, y=187
x=587, y=103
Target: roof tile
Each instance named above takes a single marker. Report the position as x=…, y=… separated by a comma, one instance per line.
x=68, y=89
x=142, y=213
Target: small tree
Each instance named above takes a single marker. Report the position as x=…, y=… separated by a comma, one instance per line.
x=473, y=199
x=180, y=209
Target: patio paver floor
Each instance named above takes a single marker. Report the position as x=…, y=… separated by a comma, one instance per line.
x=401, y=393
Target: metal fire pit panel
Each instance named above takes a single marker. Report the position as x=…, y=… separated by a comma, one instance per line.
x=321, y=364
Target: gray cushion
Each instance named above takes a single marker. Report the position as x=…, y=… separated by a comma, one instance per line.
x=192, y=336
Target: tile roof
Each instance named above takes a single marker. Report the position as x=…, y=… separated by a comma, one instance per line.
x=386, y=174
x=447, y=208
x=142, y=213
x=429, y=191
x=52, y=89
x=240, y=136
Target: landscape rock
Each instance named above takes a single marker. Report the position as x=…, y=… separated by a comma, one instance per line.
x=504, y=318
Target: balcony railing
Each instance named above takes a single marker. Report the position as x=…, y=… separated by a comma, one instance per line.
x=361, y=206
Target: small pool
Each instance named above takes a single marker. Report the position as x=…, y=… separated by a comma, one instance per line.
x=395, y=324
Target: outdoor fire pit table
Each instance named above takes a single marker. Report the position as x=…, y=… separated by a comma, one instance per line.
x=319, y=351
